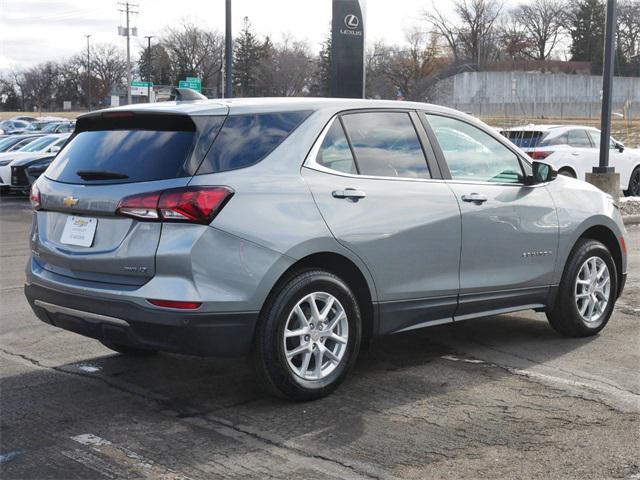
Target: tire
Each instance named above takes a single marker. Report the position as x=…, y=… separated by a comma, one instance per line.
x=567, y=172
x=634, y=184
x=293, y=378
x=127, y=350
x=566, y=317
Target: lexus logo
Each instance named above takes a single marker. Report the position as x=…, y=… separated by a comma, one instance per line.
x=351, y=21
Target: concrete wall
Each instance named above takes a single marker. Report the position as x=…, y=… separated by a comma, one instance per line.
x=537, y=94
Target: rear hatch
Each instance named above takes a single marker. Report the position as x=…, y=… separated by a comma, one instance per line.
x=112, y=156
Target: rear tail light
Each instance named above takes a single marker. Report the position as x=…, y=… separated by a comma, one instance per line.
x=539, y=154
x=34, y=196
x=188, y=204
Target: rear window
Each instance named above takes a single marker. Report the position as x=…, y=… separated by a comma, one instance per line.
x=524, y=139
x=134, y=155
x=247, y=139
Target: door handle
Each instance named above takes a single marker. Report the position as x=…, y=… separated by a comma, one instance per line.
x=349, y=193
x=474, y=198
x=575, y=154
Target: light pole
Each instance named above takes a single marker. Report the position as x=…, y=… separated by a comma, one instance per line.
x=88, y=74
x=148, y=37
x=228, y=52
x=604, y=176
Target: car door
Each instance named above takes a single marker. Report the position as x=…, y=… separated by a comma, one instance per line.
x=383, y=200
x=509, y=229
x=581, y=155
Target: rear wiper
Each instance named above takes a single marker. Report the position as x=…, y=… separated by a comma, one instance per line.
x=100, y=175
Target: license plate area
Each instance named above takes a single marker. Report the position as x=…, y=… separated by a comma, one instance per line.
x=79, y=231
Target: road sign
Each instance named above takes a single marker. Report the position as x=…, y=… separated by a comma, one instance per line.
x=193, y=83
x=140, y=89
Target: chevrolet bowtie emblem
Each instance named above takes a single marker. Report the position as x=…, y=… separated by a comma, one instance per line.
x=70, y=201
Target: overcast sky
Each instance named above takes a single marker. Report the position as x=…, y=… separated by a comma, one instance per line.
x=33, y=31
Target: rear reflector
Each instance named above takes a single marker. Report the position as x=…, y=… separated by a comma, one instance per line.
x=539, y=154
x=623, y=245
x=174, y=304
x=188, y=204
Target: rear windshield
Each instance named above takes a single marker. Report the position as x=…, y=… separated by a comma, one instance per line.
x=129, y=155
x=246, y=139
x=524, y=139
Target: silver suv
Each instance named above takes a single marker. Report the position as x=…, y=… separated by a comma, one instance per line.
x=295, y=229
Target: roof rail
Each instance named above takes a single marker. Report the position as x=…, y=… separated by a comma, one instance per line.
x=185, y=95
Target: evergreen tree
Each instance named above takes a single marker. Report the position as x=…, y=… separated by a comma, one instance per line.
x=324, y=68
x=587, y=33
x=246, y=61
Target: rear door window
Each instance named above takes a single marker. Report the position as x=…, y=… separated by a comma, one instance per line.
x=578, y=139
x=386, y=144
x=247, y=139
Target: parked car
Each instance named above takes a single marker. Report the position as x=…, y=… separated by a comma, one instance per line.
x=26, y=170
x=294, y=229
x=12, y=127
x=47, y=144
x=42, y=122
x=24, y=118
x=574, y=150
x=59, y=127
x=15, y=142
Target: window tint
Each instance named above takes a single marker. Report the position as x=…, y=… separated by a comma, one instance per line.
x=579, y=139
x=335, y=152
x=473, y=154
x=141, y=155
x=247, y=139
x=386, y=144
x=552, y=138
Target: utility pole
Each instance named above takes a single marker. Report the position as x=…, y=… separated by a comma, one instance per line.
x=88, y=74
x=148, y=37
x=228, y=53
x=604, y=176
x=127, y=10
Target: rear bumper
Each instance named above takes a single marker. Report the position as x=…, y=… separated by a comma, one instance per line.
x=193, y=333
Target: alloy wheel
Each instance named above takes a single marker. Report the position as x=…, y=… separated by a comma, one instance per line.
x=592, y=289
x=316, y=336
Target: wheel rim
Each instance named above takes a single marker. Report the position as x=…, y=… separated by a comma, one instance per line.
x=635, y=184
x=592, y=288
x=315, y=336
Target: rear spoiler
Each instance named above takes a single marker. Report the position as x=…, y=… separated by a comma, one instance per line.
x=185, y=95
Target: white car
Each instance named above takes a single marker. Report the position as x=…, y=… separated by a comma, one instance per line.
x=45, y=144
x=574, y=150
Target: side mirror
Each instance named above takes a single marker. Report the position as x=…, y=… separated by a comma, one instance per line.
x=542, y=173
x=619, y=146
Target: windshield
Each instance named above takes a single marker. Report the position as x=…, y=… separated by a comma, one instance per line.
x=38, y=145
x=8, y=142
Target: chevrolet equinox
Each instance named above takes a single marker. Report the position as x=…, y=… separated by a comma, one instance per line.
x=294, y=229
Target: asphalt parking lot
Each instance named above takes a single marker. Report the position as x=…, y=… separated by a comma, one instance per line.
x=501, y=397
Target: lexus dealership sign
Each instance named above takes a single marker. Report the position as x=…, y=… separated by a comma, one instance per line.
x=347, y=49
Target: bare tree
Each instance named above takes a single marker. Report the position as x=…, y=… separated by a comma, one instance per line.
x=285, y=69
x=471, y=34
x=513, y=38
x=195, y=52
x=544, y=22
x=629, y=28
x=109, y=66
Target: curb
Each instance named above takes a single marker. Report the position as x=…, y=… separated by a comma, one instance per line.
x=631, y=219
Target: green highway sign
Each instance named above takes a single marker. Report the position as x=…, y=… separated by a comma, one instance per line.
x=193, y=83
x=142, y=84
